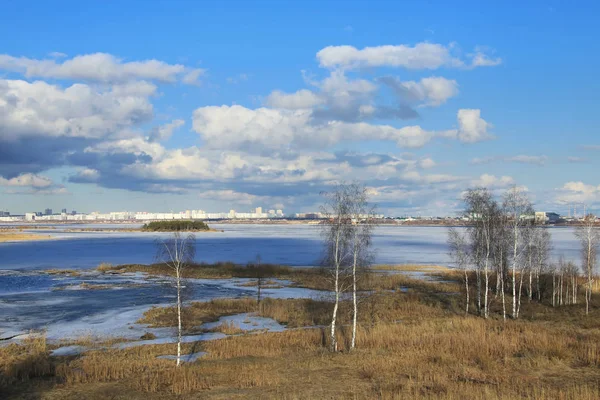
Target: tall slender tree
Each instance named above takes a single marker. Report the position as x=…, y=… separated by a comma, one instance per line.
x=336, y=231
x=589, y=238
x=460, y=254
x=518, y=210
x=361, y=214
x=177, y=252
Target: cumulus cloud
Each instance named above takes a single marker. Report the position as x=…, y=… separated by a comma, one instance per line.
x=420, y=56
x=492, y=181
x=432, y=91
x=29, y=180
x=300, y=100
x=41, y=124
x=578, y=192
x=471, y=127
x=164, y=132
x=99, y=67
x=265, y=128
x=40, y=109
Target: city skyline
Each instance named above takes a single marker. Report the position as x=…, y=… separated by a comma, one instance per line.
x=196, y=115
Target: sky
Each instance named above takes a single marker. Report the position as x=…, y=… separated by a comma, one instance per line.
x=179, y=105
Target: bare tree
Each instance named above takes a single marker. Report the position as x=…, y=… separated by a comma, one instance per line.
x=177, y=252
x=361, y=213
x=543, y=245
x=500, y=252
x=482, y=210
x=517, y=208
x=459, y=252
x=336, y=231
x=589, y=237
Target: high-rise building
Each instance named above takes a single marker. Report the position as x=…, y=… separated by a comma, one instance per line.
x=48, y=211
x=258, y=210
x=64, y=211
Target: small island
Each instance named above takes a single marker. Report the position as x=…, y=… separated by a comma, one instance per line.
x=175, y=226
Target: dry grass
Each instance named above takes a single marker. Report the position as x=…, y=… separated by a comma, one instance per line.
x=411, y=345
x=67, y=272
x=411, y=268
x=21, y=237
x=105, y=267
x=197, y=313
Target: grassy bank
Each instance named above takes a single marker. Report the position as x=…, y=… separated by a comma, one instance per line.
x=411, y=345
x=310, y=278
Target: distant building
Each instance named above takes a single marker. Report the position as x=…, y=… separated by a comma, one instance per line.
x=4, y=214
x=543, y=217
x=48, y=211
x=63, y=211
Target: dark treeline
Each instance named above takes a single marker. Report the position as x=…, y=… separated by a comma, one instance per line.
x=175, y=226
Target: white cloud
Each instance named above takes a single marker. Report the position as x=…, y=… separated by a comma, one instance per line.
x=481, y=59
x=99, y=67
x=302, y=99
x=27, y=180
x=427, y=163
x=522, y=159
x=420, y=56
x=264, y=128
x=165, y=131
x=471, y=127
x=493, y=182
x=432, y=91
x=40, y=109
x=578, y=192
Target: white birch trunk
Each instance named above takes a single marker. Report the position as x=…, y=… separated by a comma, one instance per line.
x=179, y=327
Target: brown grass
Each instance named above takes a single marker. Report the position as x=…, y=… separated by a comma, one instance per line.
x=411, y=345
x=22, y=237
x=228, y=328
x=197, y=313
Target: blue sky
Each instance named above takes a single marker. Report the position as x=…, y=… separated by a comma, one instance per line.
x=214, y=105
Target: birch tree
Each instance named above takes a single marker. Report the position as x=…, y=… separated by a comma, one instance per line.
x=361, y=213
x=336, y=231
x=482, y=210
x=177, y=252
x=589, y=239
x=517, y=207
x=459, y=253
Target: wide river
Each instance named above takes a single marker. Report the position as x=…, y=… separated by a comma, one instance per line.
x=295, y=245
x=64, y=308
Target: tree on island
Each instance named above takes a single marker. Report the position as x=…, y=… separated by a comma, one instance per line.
x=177, y=252
x=175, y=226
